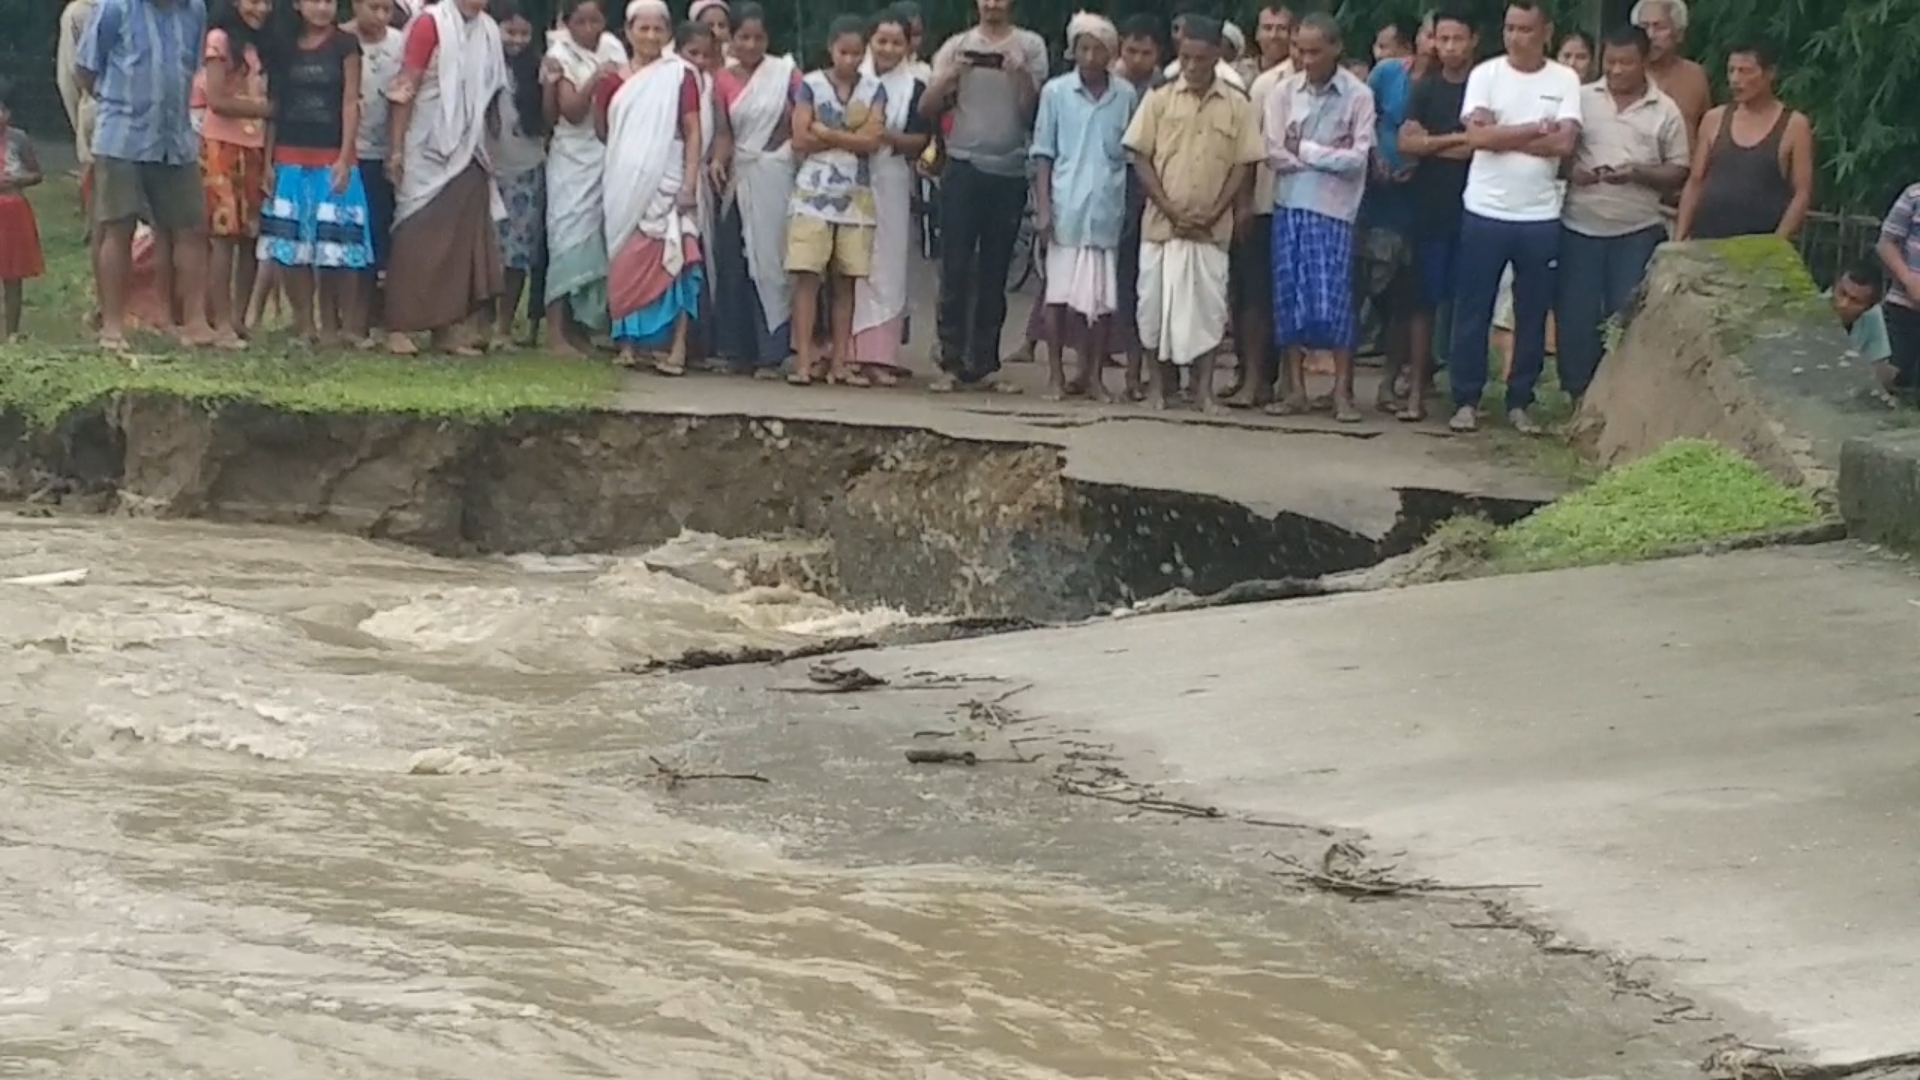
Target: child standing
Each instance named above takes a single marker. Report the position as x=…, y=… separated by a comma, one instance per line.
x=839, y=116
x=519, y=165
x=19, y=234
x=232, y=88
x=380, y=47
x=315, y=225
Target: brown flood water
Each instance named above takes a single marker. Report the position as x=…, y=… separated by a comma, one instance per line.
x=214, y=861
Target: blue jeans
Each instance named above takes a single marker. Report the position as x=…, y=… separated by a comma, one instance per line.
x=1486, y=248
x=1597, y=277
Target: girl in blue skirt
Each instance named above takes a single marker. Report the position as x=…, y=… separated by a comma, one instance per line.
x=315, y=222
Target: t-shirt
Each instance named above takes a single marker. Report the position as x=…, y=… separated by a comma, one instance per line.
x=1868, y=334
x=19, y=159
x=837, y=185
x=1509, y=185
x=1901, y=228
x=1438, y=182
x=234, y=130
x=379, y=65
x=310, y=94
x=990, y=129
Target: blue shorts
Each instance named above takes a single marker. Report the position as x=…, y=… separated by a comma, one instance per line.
x=1434, y=259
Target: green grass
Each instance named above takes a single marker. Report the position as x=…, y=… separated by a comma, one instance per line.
x=54, y=369
x=1688, y=492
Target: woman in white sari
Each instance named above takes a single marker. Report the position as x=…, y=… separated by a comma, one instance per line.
x=880, y=299
x=747, y=252
x=445, y=263
x=579, y=56
x=649, y=117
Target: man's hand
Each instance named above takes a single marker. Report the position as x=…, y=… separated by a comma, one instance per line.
x=1480, y=118
x=339, y=176
x=1584, y=177
x=1043, y=223
x=396, y=167
x=1625, y=174
x=1291, y=143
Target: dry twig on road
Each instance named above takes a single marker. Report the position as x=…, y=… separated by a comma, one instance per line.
x=674, y=777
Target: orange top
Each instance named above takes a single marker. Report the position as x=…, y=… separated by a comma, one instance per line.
x=237, y=130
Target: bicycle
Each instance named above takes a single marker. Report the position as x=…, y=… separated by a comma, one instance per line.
x=1027, y=249
x=1023, y=267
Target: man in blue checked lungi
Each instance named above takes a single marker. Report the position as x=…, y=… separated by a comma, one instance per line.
x=1319, y=135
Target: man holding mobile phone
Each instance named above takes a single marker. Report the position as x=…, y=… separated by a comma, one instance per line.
x=989, y=77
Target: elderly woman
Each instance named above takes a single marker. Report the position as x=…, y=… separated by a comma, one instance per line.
x=717, y=17
x=648, y=114
x=446, y=262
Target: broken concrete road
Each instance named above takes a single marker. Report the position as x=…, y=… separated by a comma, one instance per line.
x=1708, y=764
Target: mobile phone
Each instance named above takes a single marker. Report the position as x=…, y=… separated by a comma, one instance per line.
x=982, y=58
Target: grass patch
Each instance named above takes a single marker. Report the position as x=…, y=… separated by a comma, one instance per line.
x=54, y=369
x=1688, y=492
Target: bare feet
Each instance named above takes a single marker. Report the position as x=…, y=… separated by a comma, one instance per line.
x=230, y=340
x=848, y=377
x=1291, y=405
x=196, y=337
x=1343, y=410
x=560, y=345
x=401, y=345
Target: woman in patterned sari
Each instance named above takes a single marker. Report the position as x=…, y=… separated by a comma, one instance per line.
x=649, y=117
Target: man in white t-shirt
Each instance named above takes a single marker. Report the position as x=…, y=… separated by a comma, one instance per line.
x=1522, y=113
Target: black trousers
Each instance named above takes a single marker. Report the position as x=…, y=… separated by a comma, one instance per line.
x=979, y=222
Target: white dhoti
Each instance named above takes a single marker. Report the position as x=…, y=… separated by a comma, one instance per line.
x=1183, y=299
x=1083, y=280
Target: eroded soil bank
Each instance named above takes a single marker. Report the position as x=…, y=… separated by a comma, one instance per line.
x=913, y=518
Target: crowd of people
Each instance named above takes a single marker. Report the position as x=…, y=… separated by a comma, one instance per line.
x=682, y=192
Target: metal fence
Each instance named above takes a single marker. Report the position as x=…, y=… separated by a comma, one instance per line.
x=1832, y=242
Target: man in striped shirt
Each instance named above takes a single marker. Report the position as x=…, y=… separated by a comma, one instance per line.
x=137, y=58
x=1320, y=139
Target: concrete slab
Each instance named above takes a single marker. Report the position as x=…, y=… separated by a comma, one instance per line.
x=1345, y=475
x=1709, y=762
x=1879, y=489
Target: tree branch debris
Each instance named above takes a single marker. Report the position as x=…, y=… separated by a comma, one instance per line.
x=1344, y=870
x=673, y=777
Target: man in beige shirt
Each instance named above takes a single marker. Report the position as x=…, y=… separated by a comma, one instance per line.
x=1252, y=253
x=1194, y=143
x=1632, y=151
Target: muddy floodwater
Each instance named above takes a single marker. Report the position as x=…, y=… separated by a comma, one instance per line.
x=302, y=806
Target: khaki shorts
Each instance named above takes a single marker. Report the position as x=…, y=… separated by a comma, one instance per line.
x=167, y=196
x=817, y=247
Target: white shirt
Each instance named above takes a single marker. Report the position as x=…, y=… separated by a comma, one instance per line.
x=1508, y=185
x=1263, y=178
x=379, y=63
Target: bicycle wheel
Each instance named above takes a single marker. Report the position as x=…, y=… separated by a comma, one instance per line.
x=1026, y=252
